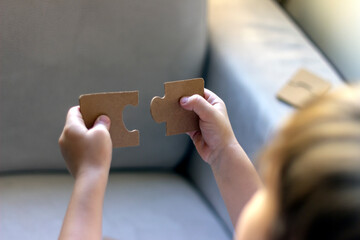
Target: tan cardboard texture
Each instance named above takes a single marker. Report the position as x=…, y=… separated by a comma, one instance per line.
x=302, y=88
x=112, y=105
x=167, y=109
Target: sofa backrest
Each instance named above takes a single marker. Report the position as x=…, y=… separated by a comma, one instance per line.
x=334, y=26
x=53, y=51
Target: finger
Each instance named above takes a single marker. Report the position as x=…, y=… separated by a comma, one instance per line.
x=191, y=134
x=74, y=124
x=197, y=140
x=207, y=93
x=198, y=104
x=211, y=97
x=102, y=121
x=74, y=116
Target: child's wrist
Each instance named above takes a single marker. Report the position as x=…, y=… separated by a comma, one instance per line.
x=223, y=153
x=92, y=173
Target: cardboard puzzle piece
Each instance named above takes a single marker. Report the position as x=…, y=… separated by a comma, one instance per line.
x=302, y=88
x=167, y=109
x=112, y=105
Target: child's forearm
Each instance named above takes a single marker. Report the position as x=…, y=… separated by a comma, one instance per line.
x=83, y=219
x=236, y=177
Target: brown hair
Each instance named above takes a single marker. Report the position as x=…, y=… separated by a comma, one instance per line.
x=312, y=170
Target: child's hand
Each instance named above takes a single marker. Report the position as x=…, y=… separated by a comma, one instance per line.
x=86, y=150
x=215, y=129
x=216, y=143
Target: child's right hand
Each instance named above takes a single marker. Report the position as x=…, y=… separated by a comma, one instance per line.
x=215, y=133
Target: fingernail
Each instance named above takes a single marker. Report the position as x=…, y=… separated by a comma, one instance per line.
x=104, y=119
x=184, y=100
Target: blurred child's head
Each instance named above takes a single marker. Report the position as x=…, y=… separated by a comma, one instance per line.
x=311, y=172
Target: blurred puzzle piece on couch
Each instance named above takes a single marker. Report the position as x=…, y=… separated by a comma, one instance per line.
x=167, y=109
x=111, y=104
x=303, y=87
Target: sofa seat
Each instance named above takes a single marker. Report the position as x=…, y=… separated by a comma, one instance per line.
x=138, y=205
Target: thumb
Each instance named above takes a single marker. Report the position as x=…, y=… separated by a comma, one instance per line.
x=198, y=104
x=103, y=120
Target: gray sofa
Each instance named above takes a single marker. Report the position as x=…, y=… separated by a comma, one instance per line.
x=53, y=51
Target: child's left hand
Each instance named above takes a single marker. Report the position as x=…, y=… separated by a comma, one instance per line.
x=87, y=153
x=86, y=150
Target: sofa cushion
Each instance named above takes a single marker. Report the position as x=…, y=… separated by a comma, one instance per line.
x=137, y=206
x=53, y=51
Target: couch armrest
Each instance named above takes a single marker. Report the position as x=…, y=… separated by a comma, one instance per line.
x=254, y=50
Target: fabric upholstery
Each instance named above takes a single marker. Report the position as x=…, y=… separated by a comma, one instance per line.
x=255, y=50
x=202, y=176
x=53, y=51
x=138, y=206
x=334, y=27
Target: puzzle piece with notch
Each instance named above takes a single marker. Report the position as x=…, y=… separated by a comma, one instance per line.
x=303, y=87
x=111, y=104
x=167, y=109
